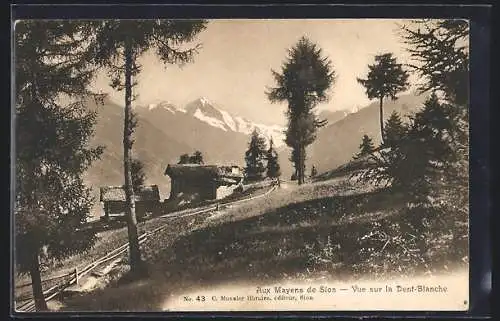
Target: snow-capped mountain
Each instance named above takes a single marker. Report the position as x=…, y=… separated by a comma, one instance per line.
x=165, y=105
x=208, y=112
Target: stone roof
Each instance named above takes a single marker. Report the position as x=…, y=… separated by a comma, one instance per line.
x=117, y=193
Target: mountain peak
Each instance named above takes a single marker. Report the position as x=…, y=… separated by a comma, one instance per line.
x=204, y=105
x=204, y=101
x=206, y=111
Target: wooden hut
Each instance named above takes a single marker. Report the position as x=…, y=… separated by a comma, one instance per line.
x=147, y=201
x=195, y=182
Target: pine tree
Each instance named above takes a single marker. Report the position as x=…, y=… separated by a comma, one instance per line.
x=184, y=159
x=430, y=161
x=300, y=133
x=365, y=148
x=419, y=153
x=196, y=158
x=118, y=46
x=425, y=150
x=138, y=174
x=255, y=157
x=294, y=158
x=51, y=201
x=440, y=55
x=386, y=78
x=303, y=82
x=394, y=130
x=435, y=125
x=440, y=52
x=273, y=166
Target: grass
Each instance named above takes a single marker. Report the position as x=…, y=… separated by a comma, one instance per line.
x=110, y=239
x=278, y=242
x=320, y=231
x=290, y=194
x=350, y=167
x=332, y=227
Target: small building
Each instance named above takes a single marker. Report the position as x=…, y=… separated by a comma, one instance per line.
x=193, y=182
x=147, y=201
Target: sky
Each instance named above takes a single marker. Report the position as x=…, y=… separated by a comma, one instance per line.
x=233, y=67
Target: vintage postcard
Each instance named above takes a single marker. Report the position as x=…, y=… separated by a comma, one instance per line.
x=241, y=165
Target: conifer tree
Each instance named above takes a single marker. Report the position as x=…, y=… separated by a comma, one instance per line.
x=440, y=56
x=138, y=174
x=419, y=153
x=51, y=201
x=196, y=158
x=435, y=124
x=294, y=158
x=273, y=166
x=394, y=130
x=366, y=147
x=425, y=150
x=184, y=159
x=386, y=78
x=119, y=45
x=440, y=53
x=430, y=161
x=435, y=141
x=303, y=83
x=255, y=157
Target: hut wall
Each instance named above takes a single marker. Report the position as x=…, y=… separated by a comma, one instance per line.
x=119, y=208
x=140, y=209
x=115, y=207
x=200, y=189
x=147, y=206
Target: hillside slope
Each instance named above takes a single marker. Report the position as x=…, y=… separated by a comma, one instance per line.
x=338, y=142
x=311, y=233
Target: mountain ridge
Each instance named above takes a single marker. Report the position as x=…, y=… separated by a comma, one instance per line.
x=206, y=111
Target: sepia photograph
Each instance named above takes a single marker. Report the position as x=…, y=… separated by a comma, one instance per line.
x=177, y=165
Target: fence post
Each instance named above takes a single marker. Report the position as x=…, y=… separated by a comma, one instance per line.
x=76, y=275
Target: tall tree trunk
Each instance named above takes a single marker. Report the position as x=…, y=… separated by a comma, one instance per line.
x=301, y=164
x=297, y=164
x=133, y=239
x=36, y=283
x=381, y=118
